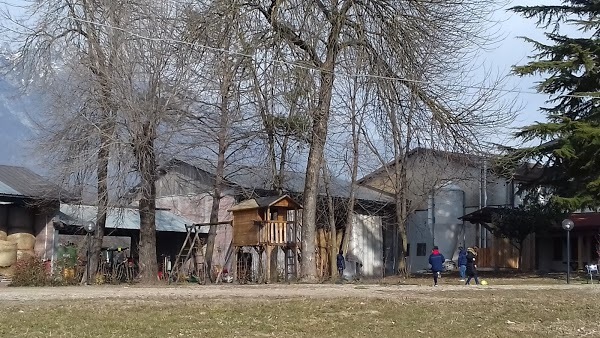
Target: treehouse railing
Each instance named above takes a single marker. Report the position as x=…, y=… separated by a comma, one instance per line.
x=277, y=232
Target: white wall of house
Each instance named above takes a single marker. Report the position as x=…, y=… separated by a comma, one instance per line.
x=420, y=241
x=365, y=247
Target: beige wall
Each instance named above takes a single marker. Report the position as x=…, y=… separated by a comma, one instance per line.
x=426, y=173
x=44, y=235
x=190, y=199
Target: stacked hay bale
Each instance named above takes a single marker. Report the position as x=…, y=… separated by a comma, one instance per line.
x=8, y=250
x=8, y=253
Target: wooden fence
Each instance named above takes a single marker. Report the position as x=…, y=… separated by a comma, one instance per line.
x=503, y=255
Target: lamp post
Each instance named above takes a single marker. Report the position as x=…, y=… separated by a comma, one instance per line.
x=568, y=225
x=90, y=227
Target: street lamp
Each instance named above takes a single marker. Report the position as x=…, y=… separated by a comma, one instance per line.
x=568, y=225
x=90, y=227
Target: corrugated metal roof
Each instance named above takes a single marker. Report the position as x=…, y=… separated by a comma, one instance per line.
x=293, y=182
x=20, y=181
x=6, y=190
x=123, y=218
x=245, y=205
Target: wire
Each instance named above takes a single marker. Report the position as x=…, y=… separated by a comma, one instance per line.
x=381, y=77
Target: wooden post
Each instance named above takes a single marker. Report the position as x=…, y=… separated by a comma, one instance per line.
x=579, y=252
x=296, y=262
x=493, y=252
x=588, y=249
x=234, y=264
x=273, y=259
x=268, y=264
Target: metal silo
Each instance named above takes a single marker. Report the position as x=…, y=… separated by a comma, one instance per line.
x=445, y=207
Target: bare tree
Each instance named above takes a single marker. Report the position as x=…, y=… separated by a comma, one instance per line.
x=53, y=33
x=158, y=75
x=224, y=121
x=135, y=70
x=390, y=32
x=282, y=94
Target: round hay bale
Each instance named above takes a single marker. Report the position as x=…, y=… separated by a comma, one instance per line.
x=24, y=241
x=8, y=253
x=3, y=235
x=25, y=253
x=8, y=271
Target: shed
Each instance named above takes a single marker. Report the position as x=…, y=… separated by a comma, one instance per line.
x=267, y=224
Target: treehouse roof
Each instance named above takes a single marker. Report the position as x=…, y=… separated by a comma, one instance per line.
x=265, y=202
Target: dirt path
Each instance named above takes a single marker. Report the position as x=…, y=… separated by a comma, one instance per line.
x=258, y=291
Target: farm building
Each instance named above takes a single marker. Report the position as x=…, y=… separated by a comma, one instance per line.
x=123, y=224
x=37, y=219
x=186, y=190
x=28, y=203
x=443, y=187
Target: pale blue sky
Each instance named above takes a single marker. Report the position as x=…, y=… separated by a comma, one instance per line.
x=514, y=51
x=507, y=52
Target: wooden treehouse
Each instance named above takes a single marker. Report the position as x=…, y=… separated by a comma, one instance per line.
x=267, y=224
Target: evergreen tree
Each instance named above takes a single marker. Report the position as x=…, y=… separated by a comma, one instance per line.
x=569, y=151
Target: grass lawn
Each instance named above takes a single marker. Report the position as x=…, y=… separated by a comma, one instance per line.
x=426, y=313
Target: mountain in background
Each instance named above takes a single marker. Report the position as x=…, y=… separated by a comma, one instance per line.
x=16, y=126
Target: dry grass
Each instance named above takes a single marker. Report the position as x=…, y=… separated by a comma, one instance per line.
x=496, y=278
x=419, y=313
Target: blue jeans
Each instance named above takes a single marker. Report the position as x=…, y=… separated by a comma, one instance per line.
x=462, y=271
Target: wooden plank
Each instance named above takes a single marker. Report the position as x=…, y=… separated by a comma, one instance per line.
x=215, y=223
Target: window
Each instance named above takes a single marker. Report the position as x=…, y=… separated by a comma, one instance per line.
x=421, y=249
x=408, y=250
x=557, y=249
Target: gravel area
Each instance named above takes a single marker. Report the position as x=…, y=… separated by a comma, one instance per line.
x=273, y=291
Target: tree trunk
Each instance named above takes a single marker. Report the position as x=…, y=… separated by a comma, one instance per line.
x=311, y=184
x=331, y=217
x=353, y=175
x=102, y=173
x=146, y=162
x=223, y=145
x=101, y=68
x=402, y=241
x=214, y=213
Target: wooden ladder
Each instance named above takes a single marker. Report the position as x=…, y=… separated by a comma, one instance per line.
x=290, y=264
x=190, y=249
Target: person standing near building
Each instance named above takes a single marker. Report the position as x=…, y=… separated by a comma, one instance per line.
x=341, y=263
x=471, y=266
x=462, y=263
x=436, y=260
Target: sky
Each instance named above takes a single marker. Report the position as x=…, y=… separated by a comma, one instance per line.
x=512, y=50
x=509, y=51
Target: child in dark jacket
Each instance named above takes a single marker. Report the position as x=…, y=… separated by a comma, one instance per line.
x=471, y=265
x=462, y=263
x=436, y=259
x=341, y=263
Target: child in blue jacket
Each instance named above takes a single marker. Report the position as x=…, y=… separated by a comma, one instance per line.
x=462, y=263
x=436, y=259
